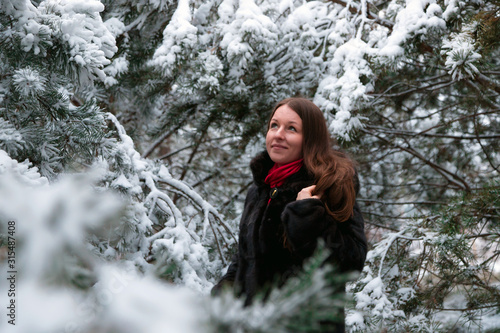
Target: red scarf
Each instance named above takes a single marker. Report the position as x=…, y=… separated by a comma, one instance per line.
x=278, y=174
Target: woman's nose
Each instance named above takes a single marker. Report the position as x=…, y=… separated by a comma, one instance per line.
x=280, y=133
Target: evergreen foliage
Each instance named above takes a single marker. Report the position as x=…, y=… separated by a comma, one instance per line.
x=39, y=68
x=444, y=263
x=308, y=302
x=164, y=102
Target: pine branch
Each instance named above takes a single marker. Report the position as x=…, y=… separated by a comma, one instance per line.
x=354, y=9
x=485, y=151
x=403, y=202
x=164, y=137
x=481, y=95
x=487, y=82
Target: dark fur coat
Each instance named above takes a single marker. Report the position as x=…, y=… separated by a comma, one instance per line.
x=263, y=259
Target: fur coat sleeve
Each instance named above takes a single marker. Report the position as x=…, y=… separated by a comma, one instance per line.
x=306, y=221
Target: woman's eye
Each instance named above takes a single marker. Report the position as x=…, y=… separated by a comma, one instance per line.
x=293, y=129
x=273, y=125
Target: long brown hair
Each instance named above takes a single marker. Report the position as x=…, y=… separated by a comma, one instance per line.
x=333, y=170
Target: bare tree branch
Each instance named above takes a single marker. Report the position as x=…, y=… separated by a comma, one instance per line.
x=434, y=86
x=487, y=82
x=436, y=135
x=163, y=137
x=457, y=180
x=485, y=151
x=402, y=203
x=354, y=9
x=458, y=119
x=481, y=95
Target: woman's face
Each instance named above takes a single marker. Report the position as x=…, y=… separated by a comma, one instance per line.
x=284, y=136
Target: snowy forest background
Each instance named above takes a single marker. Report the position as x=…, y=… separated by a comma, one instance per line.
x=126, y=129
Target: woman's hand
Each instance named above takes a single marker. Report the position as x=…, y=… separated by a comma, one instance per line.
x=306, y=193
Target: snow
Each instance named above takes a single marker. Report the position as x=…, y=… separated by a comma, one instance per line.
x=144, y=304
x=249, y=32
x=372, y=299
x=23, y=172
x=28, y=82
x=342, y=90
x=52, y=222
x=175, y=244
x=416, y=18
x=10, y=138
x=115, y=26
x=79, y=25
x=127, y=144
x=121, y=182
x=178, y=36
x=212, y=71
x=355, y=319
x=406, y=293
x=22, y=10
x=226, y=10
x=285, y=5
x=118, y=66
x=451, y=9
x=34, y=33
x=461, y=55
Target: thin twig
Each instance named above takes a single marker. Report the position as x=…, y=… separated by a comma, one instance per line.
x=461, y=183
x=403, y=203
x=353, y=8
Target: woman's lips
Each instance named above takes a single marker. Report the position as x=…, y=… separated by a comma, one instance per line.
x=278, y=146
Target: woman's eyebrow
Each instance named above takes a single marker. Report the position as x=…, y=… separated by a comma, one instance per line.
x=288, y=121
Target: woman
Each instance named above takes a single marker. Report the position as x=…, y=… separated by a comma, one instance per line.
x=303, y=190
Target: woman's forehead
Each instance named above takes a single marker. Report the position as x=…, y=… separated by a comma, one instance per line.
x=286, y=113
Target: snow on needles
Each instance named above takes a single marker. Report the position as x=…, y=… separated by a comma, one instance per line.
x=461, y=55
x=178, y=36
x=343, y=90
x=414, y=19
x=75, y=23
x=28, y=81
x=175, y=245
x=79, y=24
x=52, y=223
x=246, y=34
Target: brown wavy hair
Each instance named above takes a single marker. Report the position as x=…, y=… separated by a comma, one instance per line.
x=334, y=172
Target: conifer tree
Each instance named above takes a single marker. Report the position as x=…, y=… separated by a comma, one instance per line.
x=47, y=56
x=55, y=67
